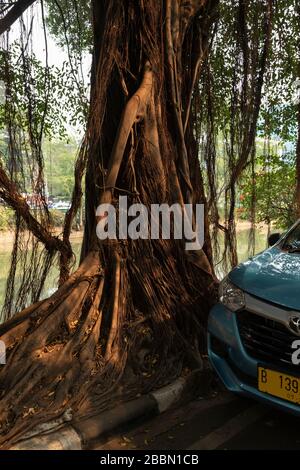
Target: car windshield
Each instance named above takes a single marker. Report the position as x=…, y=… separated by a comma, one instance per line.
x=292, y=240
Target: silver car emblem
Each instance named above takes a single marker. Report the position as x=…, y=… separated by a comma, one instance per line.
x=294, y=324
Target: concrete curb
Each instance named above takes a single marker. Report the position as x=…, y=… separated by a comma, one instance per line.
x=77, y=435
x=64, y=439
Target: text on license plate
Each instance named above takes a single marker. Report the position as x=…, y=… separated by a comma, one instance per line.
x=279, y=384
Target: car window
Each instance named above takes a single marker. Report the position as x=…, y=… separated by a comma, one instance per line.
x=292, y=240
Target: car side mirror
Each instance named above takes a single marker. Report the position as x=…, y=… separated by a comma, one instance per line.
x=273, y=238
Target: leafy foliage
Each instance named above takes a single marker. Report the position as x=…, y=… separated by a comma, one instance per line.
x=6, y=218
x=274, y=190
x=59, y=167
x=71, y=19
x=48, y=91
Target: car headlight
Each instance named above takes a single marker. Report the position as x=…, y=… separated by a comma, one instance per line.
x=231, y=296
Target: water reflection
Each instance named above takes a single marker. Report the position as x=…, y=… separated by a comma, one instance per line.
x=52, y=279
x=243, y=236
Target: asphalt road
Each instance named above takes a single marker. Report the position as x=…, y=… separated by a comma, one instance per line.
x=223, y=421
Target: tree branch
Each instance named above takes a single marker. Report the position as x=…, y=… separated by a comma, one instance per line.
x=14, y=13
x=10, y=195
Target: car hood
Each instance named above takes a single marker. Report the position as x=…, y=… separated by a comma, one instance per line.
x=273, y=275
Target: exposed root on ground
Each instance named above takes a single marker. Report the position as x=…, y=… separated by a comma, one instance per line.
x=90, y=344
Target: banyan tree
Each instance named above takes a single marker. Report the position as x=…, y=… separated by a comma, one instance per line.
x=133, y=315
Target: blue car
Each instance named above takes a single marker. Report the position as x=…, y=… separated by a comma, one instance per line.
x=254, y=329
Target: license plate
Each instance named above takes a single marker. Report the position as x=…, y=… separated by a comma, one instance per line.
x=279, y=384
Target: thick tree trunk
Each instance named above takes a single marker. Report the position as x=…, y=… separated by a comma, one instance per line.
x=134, y=313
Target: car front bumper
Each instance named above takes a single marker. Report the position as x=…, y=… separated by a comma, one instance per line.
x=235, y=367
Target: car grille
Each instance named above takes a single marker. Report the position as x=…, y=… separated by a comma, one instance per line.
x=266, y=340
